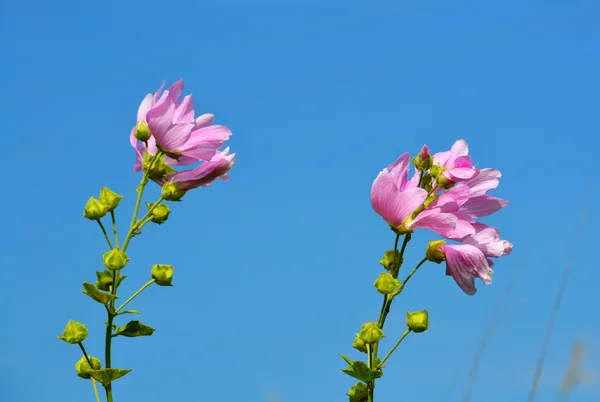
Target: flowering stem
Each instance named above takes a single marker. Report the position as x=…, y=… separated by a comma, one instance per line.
x=146, y=218
x=134, y=295
x=114, y=222
x=105, y=234
x=371, y=384
x=140, y=192
x=423, y=261
x=394, y=347
x=95, y=390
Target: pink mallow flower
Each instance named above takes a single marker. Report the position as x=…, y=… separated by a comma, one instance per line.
x=396, y=198
x=456, y=163
x=470, y=259
x=202, y=175
x=174, y=129
x=479, y=203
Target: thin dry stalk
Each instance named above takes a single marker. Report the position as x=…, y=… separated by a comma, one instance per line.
x=557, y=302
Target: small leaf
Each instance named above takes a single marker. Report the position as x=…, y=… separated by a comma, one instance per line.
x=134, y=328
x=130, y=312
x=96, y=294
x=108, y=375
x=361, y=371
x=346, y=358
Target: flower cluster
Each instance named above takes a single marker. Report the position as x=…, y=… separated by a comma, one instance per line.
x=446, y=195
x=167, y=133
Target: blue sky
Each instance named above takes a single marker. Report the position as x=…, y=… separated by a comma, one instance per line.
x=274, y=269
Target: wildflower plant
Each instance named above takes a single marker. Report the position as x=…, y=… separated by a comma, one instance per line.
x=167, y=135
x=446, y=194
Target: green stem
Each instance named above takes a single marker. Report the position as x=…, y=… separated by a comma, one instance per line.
x=85, y=354
x=134, y=296
x=414, y=271
x=140, y=192
x=95, y=390
x=394, y=347
x=114, y=222
x=371, y=384
x=105, y=234
x=110, y=308
x=146, y=218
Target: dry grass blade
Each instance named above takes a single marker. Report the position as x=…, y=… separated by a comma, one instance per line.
x=490, y=329
x=557, y=302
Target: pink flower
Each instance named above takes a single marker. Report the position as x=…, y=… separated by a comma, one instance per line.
x=469, y=260
x=205, y=173
x=175, y=130
x=396, y=198
x=457, y=162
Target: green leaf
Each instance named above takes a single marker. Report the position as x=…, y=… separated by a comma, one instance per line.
x=361, y=371
x=346, y=358
x=130, y=312
x=96, y=294
x=134, y=328
x=105, y=279
x=108, y=375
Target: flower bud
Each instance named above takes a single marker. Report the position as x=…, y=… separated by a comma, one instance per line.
x=95, y=209
x=359, y=392
x=370, y=333
x=423, y=160
x=390, y=260
x=83, y=367
x=159, y=214
x=109, y=198
x=359, y=344
x=157, y=168
x=74, y=332
x=386, y=284
x=434, y=253
x=142, y=132
x=115, y=259
x=162, y=274
x=417, y=321
x=104, y=279
x=171, y=192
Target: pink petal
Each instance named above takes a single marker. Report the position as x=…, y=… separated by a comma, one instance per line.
x=441, y=223
x=204, y=120
x=204, y=142
x=459, y=148
x=144, y=107
x=157, y=93
x=482, y=206
x=451, y=200
x=184, y=112
x=175, y=137
x=487, y=179
x=206, y=172
x=176, y=90
x=391, y=203
x=464, y=262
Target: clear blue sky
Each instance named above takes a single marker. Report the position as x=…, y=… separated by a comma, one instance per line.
x=274, y=269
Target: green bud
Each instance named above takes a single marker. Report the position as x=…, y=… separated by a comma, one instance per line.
x=417, y=321
x=171, y=192
x=434, y=253
x=386, y=284
x=74, y=332
x=162, y=274
x=95, y=209
x=370, y=333
x=83, y=367
x=390, y=260
x=109, y=198
x=142, y=132
x=115, y=259
x=159, y=214
x=157, y=169
x=422, y=163
x=359, y=392
x=359, y=344
x=104, y=279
